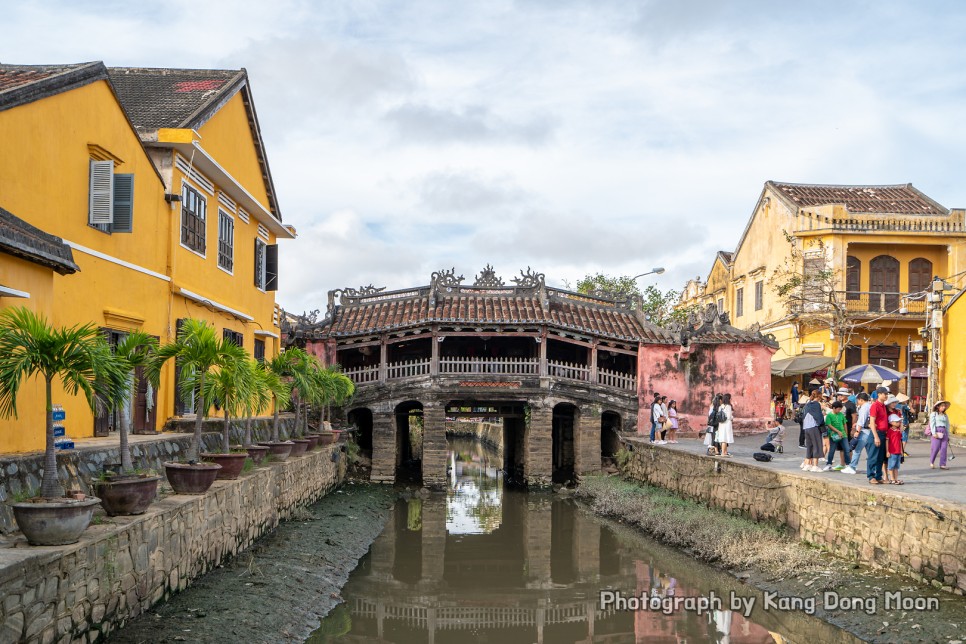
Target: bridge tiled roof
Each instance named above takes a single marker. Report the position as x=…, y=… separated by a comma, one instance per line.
x=568, y=312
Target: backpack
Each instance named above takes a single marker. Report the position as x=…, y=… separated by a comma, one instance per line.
x=767, y=447
x=721, y=415
x=761, y=456
x=713, y=417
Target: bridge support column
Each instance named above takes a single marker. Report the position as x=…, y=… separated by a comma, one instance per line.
x=384, y=550
x=383, y=446
x=538, y=529
x=588, y=440
x=434, y=445
x=587, y=546
x=539, y=465
x=433, y=540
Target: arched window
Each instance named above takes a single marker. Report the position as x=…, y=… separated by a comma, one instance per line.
x=853, y=278
x=920, y=275
x=884, y=278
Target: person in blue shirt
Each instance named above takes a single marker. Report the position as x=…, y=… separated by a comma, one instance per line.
x=795, y=395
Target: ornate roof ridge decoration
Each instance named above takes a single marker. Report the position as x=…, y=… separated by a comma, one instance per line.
x=530, y=279
x=711, y=326
x=446, y=278
x=488, y=278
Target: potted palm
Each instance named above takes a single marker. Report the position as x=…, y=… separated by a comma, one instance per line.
x=301, y=367
x=129, y=492
x=81, y=359
x=198, y=351
x=231, y=383
x=275, y=379
x=259, y=397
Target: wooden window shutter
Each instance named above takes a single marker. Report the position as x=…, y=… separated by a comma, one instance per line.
x=259, y=264
x=123, y=204
x=271, y=267
x=101, y=210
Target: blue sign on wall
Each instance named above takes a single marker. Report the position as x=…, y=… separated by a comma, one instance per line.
x=60, y=414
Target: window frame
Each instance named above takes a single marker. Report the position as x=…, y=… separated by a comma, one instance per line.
x=226, y=217
x=235, y=337
x=759, y=295
x=739, y=302
x=185, y=188
x=261, y=264
x=259, y=355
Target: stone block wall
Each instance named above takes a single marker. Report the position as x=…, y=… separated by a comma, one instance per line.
x=82, y=592
x=921, y=537
x=22, y=473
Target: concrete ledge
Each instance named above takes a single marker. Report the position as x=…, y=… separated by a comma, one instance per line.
x=913, y=535
x=121, y=568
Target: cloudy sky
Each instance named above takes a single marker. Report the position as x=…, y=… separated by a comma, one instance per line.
x=570, y=136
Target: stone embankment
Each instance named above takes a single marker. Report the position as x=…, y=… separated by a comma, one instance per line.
x=490, y=434
x=920, y=537
x=124, y=565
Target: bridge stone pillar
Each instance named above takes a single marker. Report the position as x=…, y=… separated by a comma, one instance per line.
x=588, y=440
x=539, y=466
x=383, y=445
x=538, y=530
x=434, y=445
x=433, y=540
x=587, y=546
x=383, y=556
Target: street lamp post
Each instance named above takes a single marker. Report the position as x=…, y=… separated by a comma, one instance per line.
x=657, y=271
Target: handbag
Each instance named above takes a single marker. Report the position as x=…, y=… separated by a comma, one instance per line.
x=707, y=438
x=667, y=425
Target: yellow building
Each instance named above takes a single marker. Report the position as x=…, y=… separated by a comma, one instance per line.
x=881, y=245
x=125, y=166
x=953, y=365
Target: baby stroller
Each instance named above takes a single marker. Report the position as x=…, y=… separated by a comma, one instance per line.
x=775, y=440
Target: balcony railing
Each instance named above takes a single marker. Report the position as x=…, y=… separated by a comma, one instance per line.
x=883, y=303
x=468, y=366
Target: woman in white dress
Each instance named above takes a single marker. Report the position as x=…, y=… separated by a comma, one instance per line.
x=725, y=434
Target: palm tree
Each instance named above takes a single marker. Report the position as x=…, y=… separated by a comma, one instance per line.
x=259, y=396
x=78, y=355
x=337, y=389
x=231, y=384
x=136, y=350
x=301, y=370
x=199, y=350
x=281, y=391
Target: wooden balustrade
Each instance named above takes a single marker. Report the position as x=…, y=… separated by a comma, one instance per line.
x=495, y=366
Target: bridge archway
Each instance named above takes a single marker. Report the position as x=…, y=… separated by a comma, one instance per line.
x=566, y=419
x=409, y=441
x=611, y=424
x=361, y=418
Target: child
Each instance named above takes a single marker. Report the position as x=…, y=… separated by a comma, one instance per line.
x=837, y=436
x=894, y=441
x=672, y=416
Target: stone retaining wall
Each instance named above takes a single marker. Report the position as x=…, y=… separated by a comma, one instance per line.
x=121, y=568
x=21, y=473
x=489, y=433
x=916, y=536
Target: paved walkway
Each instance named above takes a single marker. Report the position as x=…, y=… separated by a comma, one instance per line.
x=947, y=485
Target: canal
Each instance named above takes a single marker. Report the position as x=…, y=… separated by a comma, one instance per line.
x=480, y=563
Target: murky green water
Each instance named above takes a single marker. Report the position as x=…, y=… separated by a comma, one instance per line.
x=489, y=564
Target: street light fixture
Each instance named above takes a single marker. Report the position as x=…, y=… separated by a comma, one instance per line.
x=653, y=270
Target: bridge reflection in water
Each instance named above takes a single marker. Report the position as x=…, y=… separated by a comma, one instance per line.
x=486, y=564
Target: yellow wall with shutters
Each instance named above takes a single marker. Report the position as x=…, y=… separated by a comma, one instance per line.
x=954, y=363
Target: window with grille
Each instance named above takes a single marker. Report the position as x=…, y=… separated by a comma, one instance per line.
x=234, y=337
x=759, y=295
x=193, y=208
x=260, y=263
x=226, y=240
x=739, y=302
x=260, y=350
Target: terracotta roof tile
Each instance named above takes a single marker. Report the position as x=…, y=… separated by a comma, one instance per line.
x=21, y=84
x=901, y=199
x=19, y=238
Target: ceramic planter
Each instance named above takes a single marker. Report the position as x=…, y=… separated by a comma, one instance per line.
x=313, y=441
x=191, y=479
x=54, y=523
x=126, y=495
x=327, y=438
x=231, y=464
x=300, y=446
x=279, y=451
x=258, y=453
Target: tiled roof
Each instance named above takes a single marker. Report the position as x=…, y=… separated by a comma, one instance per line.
x=901, y=199
x=19, y=238
x=510, y=309
x=21, y=84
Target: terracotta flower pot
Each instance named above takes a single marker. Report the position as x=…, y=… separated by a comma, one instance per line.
x=313, y=440
x=231, y=464
x=327, y=438
x=279, y=451
x=126, y=495
x=258, y=453
x=55, y=522
x=191, y=479
x=301, y=445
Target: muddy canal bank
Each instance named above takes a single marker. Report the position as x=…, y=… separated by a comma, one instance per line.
x=282, y=586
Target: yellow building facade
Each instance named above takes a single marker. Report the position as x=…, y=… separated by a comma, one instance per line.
x=160, y=188
x=883, y=245
x=953, y=365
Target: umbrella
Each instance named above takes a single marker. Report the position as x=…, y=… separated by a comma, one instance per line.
x=799, y=365
x=870, y=373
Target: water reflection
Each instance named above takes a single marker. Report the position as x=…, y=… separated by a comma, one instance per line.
x=487, y=564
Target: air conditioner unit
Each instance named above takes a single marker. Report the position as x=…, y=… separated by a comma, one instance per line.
x=813, y=347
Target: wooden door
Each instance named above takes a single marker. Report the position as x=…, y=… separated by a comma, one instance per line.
x=145, y=416
x=920, y=275
x=884, y=278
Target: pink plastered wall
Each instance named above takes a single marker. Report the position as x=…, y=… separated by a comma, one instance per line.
x=692, y=376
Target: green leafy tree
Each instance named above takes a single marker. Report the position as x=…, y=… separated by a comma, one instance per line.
x=79, y=356
x=137, y=350
x=657, y=305
x=280, y=387
x=199, y=351
x=232, y=384
x=264, y=382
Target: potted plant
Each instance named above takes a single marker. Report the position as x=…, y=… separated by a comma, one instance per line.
x=128, y=491
x=198, y=350
x=231, y=383
x=275, y=371
x=80, y=357
x=259, y=397
x=338, y=389
x=301, y=367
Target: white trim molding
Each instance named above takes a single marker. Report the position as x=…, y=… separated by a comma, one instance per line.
x=115, y=260
x=267, y=334
x=215, y=305
x=6, y=291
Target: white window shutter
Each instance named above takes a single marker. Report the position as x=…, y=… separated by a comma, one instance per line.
x=102, y=193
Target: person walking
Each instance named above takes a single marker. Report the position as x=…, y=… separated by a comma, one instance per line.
x=879, y=422
x=725, y=433
x=838, y=436
x=813, y=422
x=795, y=394
x=861, y=433
x=672, y=415
x=939, y=429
